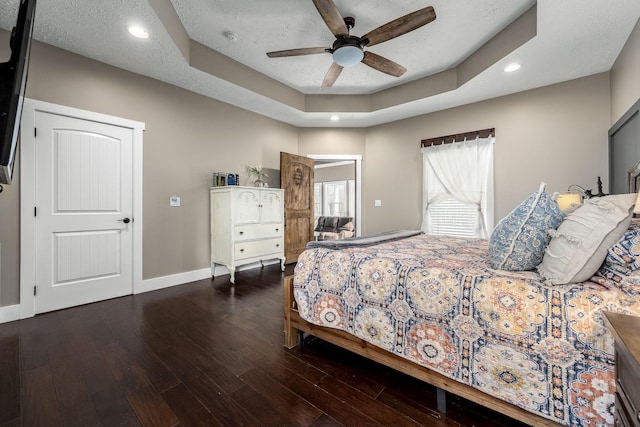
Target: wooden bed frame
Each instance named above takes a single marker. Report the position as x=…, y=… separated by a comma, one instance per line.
x=294, y=326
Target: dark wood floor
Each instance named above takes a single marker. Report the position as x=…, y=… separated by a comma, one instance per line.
x=201, y=354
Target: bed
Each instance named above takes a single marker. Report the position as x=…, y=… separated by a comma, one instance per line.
x=434, y=308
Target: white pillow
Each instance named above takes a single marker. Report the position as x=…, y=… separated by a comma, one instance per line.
x=579, y=246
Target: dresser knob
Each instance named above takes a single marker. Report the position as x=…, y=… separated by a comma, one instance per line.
x=277, y=245
x=241, y=250
x=241, y=233
x=277, y=229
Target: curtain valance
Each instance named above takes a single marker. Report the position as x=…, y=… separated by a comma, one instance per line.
x=448, y=139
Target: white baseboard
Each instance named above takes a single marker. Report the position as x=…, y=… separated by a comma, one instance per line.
x=171, y=280
x=189, y=276
x=9, y=313
x=12, y=312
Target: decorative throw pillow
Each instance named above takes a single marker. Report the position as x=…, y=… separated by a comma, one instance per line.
x=579, y=246
x=518, y=241
x=346, y=227
x=626, y=253
x=624, y=257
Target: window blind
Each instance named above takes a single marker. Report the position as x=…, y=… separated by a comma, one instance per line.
x=453, y=218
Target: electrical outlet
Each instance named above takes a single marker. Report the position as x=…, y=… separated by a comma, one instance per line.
x=174, y=201
x=377, y=203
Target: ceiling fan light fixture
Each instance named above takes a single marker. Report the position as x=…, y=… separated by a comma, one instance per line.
x=348, y=55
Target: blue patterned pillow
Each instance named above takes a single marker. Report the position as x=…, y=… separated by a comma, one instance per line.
x=624, y=256
x=519, y=240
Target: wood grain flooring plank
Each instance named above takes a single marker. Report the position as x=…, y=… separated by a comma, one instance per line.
x=16, y=422
x=328, y=403
x=34, y=350
x=145, y=400
x=76, y=406
x=217, y=402
x=257, y=403
x=377, y=410
x=188, y=408
x=9, y=378
x=325, y=421
x=424, y=415
x=157, y=372
x=202, y=360
x=294, y=408
x=216, y=340
x=39, y=403
x=112, y=407
x=279, y=359
x=341, y=364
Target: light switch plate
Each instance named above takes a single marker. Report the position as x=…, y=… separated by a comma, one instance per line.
x=174, y=201
x=377, y=203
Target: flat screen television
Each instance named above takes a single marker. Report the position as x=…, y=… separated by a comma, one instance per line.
x=13, y=80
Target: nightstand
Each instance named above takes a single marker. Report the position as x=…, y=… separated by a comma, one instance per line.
x=626, y=332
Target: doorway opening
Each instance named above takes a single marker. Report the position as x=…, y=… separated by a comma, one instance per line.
x=338, y=187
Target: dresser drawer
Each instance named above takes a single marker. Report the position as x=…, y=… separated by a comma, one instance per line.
x=628, y=385
x=257, y=231
x=258, y=248
x=623, y=410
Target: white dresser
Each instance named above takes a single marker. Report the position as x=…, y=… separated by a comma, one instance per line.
x=247, y=226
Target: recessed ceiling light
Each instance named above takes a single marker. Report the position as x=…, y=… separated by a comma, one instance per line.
x=335, y=118
x=514, y=66
x=138, y=32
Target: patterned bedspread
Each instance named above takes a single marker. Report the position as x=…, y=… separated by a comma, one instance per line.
x=435, y=301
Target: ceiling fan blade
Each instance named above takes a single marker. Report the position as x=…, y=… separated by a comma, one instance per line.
x=383, y=64
x=400, y=26
x=332, y=17
x=297, y=52
x=332, y=75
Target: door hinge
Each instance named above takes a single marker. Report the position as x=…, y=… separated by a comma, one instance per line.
x=35, y=132
x=34, y=291
x=35, y=211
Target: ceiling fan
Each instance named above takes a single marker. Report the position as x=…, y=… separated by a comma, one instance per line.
x=349, y=50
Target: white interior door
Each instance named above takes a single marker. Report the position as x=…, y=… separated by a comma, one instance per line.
x=83, y=223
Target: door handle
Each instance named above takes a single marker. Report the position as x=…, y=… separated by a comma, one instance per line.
x=126, y=220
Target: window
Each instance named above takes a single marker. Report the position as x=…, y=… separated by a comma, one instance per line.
x=458, y=188
x=334, y=198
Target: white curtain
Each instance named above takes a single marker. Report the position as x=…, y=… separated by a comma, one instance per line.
x=462, y=171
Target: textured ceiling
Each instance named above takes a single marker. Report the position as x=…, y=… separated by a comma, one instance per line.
x=574, y=38
x=277, y=25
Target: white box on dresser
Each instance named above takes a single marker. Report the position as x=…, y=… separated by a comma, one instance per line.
x=247, y=226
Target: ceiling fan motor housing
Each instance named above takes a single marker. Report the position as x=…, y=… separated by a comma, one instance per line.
x=347, y=51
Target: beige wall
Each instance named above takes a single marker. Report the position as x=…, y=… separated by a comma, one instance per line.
x=556, y=134
x=187, y=137
x=331, y=141
x=537, y=132
x=336, y=173
x=9, y=243
x=625, y=76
